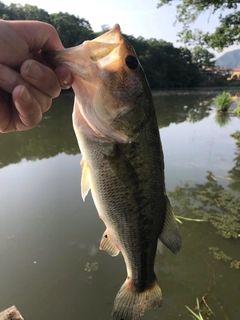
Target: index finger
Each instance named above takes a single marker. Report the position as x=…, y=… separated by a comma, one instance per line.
x=38, y=35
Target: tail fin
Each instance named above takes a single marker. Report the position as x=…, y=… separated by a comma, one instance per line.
x=131, y=305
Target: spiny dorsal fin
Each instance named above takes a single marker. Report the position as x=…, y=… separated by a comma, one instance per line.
x=170, y=235
x=107, y=245
x=85, y=180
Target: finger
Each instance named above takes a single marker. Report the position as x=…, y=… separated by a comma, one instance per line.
x=28, y=109
x=65, y=77
x=10, y=79
x=38, y=35
x=41, y=77
x=30, y=36
x=19, y=111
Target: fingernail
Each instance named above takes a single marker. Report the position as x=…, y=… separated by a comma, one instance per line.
x=68, y=79
x=24, y=95
x=34, y=71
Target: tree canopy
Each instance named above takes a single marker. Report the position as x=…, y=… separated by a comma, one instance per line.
x=226, y=34
x=164, y=65
x=202, y=57
x=71, y=29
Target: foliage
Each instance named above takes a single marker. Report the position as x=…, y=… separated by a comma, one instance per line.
x=202, y=57
x=164, y=65
x=220, y=255
x=237, y=110
x=26, y=12
x=226, y=34
x=223, y=101
x=72, y=29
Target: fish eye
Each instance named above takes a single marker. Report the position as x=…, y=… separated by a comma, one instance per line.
x=131, y=62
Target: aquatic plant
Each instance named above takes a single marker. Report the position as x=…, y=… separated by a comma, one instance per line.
x=223, y=102
x=180, y=218
x=220, y=255
x=237, y=110
x=198, y=315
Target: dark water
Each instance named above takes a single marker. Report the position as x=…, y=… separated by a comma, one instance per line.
x=50, y=265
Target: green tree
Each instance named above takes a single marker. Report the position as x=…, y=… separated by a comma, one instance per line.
x=27, y=12
x=71, y=29
x=4, y=12
x=165, y=65
x=11, y=12
x=35, y=13
x=226, y=34
x=202, y=57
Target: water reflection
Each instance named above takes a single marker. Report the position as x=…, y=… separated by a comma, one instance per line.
x=210, y=202
x=177, y=108
x=55, y=134
x=50, y=265
x=222, y=119
x=52, y=136
x=220, y=208
x=234, y=173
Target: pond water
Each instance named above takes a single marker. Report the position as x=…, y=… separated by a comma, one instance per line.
x=50, y=264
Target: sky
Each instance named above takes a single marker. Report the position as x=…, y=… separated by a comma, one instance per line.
x=136, y=17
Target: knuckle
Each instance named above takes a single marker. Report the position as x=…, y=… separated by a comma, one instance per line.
x=40, y=100
x=41, y=77
x=31, y=117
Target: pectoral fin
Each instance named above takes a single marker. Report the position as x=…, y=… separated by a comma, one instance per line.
x=170, y=235
x=85, y=180
x=107, y=245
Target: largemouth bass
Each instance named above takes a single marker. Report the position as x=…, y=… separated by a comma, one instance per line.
x=122, y=162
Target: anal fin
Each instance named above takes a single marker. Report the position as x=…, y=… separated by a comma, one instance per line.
x=107, y=245
x=85, y=180
x=170, y=235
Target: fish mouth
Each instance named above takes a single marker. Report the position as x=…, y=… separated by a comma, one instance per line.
x=93, y=64
x=80, y=59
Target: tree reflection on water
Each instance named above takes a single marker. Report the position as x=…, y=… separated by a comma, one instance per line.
x=213, y=203
x=234, y=173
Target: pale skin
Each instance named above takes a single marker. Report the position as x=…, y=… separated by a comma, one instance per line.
x=27, y=83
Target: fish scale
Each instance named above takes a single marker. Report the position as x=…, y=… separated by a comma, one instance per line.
x=122, y=162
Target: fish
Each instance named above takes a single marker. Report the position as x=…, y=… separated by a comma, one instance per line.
x=116, y=127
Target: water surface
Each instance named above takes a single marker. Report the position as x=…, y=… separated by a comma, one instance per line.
x=50, y=265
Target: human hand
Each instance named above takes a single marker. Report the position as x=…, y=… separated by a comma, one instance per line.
x=27, y=83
